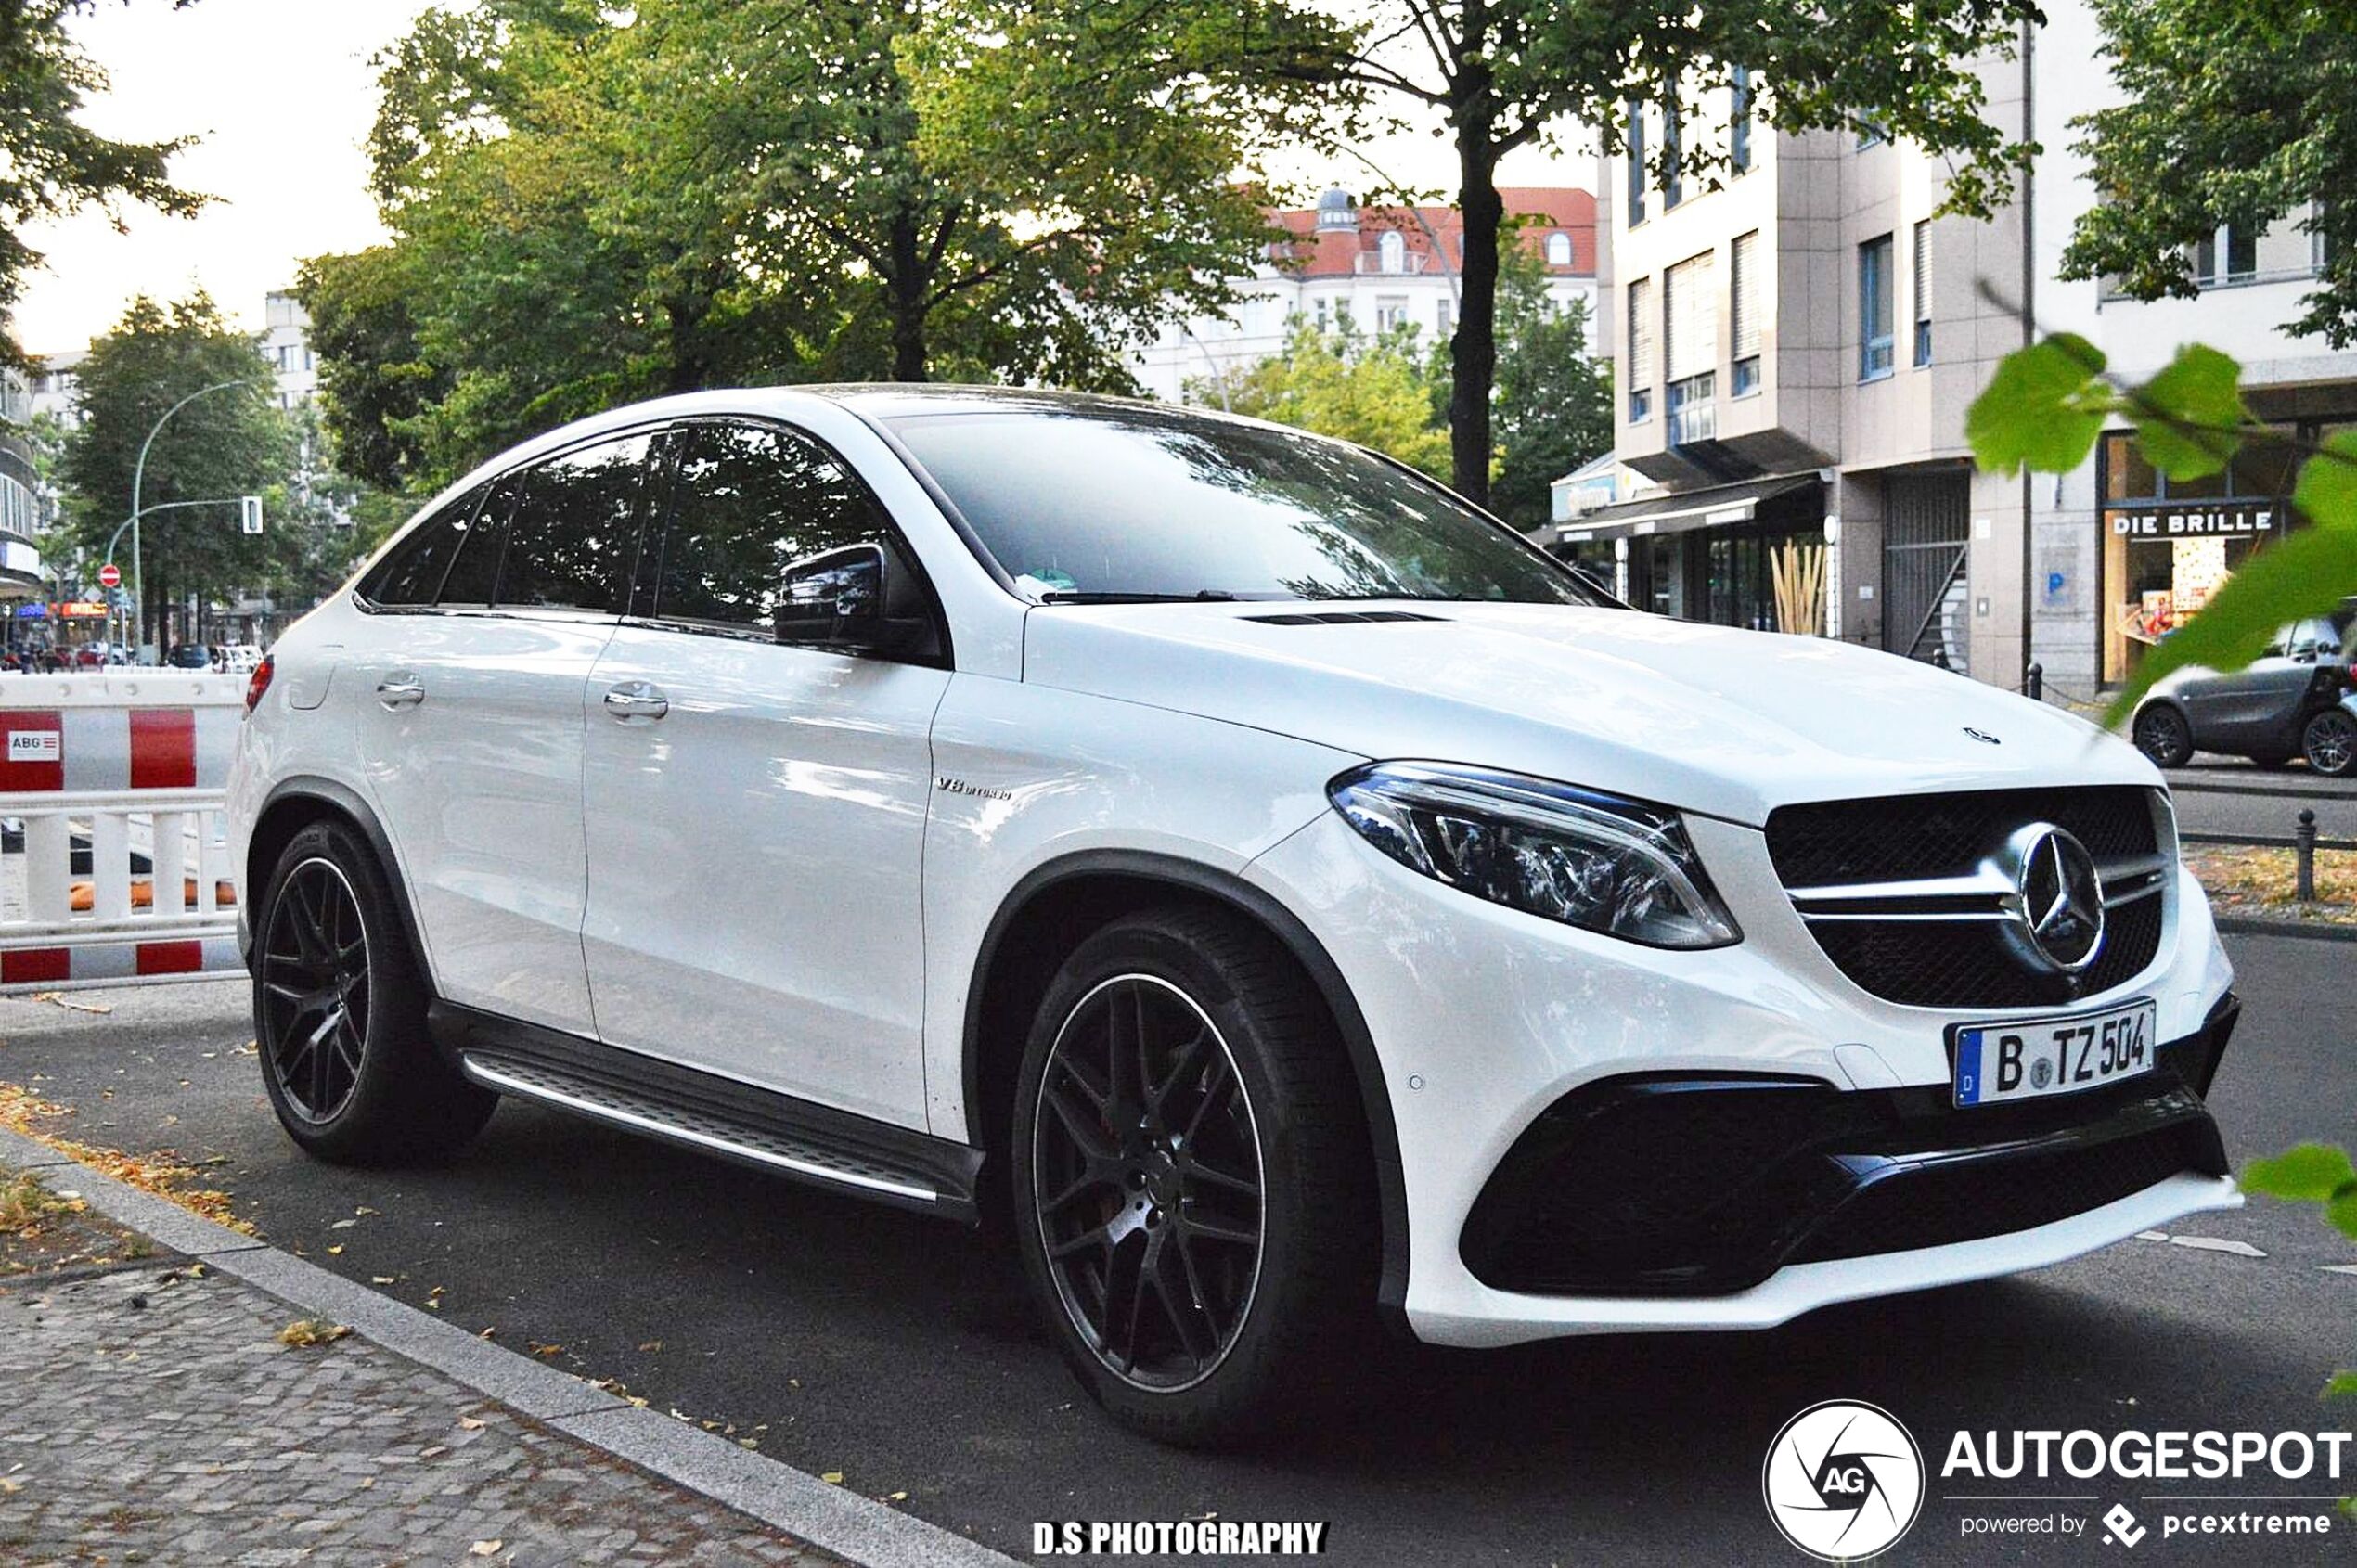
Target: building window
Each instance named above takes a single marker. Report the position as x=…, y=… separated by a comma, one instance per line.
x=1673, y=186
x=1742, y=312
x=1322, y=316
x=1871, y=134
x=2237, y=247
x=1690, y=349
x=1636, y=139
x=1391, y=254
x=1922, y=292
x=1874, y=309
x=1641, y=350
x=1559, y=250
x=1739, y=119
x=1390, y=311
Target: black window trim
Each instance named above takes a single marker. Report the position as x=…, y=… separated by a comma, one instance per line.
x=493, y=485
x=645, y=581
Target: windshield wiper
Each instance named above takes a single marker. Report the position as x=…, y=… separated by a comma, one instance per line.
x=1115, y=595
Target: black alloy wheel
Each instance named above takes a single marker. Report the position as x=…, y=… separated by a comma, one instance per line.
x=1147, y=1180
x=2330, y=742
x=315, y=990
x=2162, y=734
x=340, y=1011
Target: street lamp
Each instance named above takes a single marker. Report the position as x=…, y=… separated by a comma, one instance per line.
x=139, y=476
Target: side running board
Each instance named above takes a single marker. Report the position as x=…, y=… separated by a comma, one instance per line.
x=702, y=1111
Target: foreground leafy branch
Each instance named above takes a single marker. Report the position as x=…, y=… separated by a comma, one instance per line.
x=2049, y=402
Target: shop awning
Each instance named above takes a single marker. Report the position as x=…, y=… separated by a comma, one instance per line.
x=1717, y=506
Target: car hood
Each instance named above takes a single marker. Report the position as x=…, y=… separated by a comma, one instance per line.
x=1709, y=719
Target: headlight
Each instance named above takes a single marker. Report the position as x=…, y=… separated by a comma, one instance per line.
x=1599, y=861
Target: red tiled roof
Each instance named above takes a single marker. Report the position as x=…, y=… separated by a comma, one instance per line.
x=1548, y=208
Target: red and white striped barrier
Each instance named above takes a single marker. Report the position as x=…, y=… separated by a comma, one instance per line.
x=125, y=760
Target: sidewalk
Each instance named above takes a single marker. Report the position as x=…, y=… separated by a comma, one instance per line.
x=155, y=1413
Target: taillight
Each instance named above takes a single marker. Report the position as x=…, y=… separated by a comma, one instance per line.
x=258, y=684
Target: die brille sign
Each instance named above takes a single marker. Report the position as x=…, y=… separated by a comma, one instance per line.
x=2201, y=519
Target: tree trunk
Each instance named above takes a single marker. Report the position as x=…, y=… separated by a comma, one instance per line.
x=1474, y=361
x=909, y=285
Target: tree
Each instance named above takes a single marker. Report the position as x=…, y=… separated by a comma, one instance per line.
x=1554, y=400
x=229, y=444
x=2238, y=115
x=1377, y=391
x=1503, y=74
x=589, y=205
x=51, y=165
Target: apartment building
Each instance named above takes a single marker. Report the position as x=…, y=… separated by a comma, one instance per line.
x=1798, y=344
x=1380, y=267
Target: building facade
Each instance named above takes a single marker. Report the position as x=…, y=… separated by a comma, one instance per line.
x=1796, y=347
x=1379, y=267
x=285, y=342
x=23, y=504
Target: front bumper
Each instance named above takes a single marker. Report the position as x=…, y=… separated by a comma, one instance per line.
x=1486, y=1021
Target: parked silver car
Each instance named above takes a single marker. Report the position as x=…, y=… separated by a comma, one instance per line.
x=2298, y=699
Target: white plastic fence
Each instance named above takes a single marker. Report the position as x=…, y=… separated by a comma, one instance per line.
x=101, y=767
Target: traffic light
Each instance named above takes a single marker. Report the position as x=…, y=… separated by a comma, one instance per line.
x=250, y=513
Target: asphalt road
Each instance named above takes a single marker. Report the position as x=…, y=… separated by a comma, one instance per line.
x=901, y=1352
x=2230, y=795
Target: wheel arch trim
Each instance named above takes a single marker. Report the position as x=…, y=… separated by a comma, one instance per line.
x=345, y=802
x=1255, y=903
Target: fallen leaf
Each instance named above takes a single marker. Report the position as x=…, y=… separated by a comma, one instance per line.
x=487, y=1332
x=539, y=1349
x=487, y=1549
x=748, y=1441
x=467, y=1424
x=384, y=1278
x=832, y=1478
x=343, y=1225
x=897, y=1497
x=312, y=1330
x=336, y=1249
x=364, y=1210
x=652, y=1345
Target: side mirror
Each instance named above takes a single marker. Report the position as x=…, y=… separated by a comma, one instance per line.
x=854, y=600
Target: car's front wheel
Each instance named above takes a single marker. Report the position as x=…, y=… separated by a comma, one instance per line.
x=2162, y=734
x=340, y=1013
x=1191, y=1182
x=2330, y=742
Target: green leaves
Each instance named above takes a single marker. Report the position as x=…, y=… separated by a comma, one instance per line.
x=2313, y=1173
x=2044, y=408
x=2310, y=1174
x=2190, y=417
x=2328, y=490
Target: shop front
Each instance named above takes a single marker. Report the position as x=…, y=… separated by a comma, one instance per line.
x=2169, y=545
x=1747, y=555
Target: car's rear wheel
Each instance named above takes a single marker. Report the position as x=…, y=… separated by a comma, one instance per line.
x=2162, y=734
x=340, y=1013
x=1190, y=1175
x=2330, y=742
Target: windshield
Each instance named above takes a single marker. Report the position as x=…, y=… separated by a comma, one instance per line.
x=1115, y=502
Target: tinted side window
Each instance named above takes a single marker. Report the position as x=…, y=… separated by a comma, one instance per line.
x=748, y=502
x=471, y=576
x=573, y=537
x=410, y=576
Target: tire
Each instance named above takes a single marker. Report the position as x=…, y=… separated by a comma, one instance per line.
x=2329, y=741
x=1257, y=1294
x=340, y=1013
x=2162, y=734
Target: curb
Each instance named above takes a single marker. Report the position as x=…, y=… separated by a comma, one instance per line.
x=855, y=1528
x=2254, y=925
x=2305, y=790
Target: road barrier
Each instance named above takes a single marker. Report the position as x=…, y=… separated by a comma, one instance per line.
x=114, y=871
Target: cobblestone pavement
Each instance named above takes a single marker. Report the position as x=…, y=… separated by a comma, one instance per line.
x=149, y=1414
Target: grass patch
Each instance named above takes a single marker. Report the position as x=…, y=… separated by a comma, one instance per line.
x=2242, y=880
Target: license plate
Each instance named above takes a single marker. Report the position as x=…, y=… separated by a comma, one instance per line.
x=2025, y=1059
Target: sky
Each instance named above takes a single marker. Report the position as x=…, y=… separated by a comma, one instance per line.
x=281, y=93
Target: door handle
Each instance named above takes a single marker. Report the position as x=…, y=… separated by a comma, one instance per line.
x=400, y=691
x=637, y=700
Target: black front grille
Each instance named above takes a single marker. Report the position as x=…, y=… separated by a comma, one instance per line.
x=1937, y=1205
x=1968, y=964
x=1964, y=963
x=1826, y=844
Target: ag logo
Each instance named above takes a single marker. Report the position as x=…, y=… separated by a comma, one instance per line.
x=1842, y=1480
